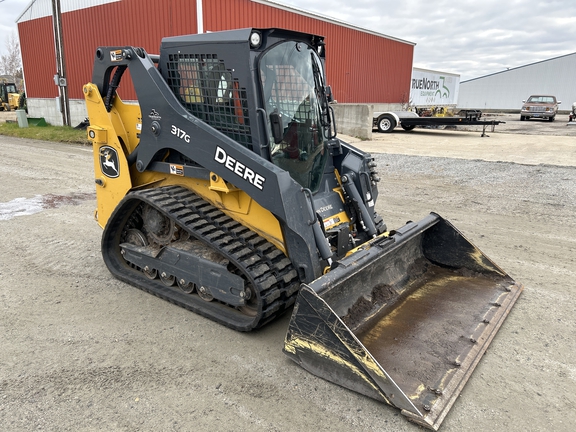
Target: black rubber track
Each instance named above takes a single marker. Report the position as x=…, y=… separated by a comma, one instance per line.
x=258, y=261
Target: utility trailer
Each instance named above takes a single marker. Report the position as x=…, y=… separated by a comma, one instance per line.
x=386, y=121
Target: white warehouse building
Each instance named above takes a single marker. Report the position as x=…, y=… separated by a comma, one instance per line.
x=507, y=89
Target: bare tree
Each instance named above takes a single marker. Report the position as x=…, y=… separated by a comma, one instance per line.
x=406, y=102
x=10, y=63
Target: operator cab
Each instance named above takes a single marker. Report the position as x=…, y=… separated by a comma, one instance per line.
x=297, y=110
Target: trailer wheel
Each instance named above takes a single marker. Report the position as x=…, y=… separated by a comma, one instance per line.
x=408, y=127
x=386, y=123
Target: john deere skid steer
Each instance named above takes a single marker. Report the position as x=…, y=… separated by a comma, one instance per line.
x=226, y=190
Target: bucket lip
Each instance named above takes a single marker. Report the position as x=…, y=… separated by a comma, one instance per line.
x=439, y=411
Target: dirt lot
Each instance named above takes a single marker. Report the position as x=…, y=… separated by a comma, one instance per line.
x=82, y=351
x=513, y=125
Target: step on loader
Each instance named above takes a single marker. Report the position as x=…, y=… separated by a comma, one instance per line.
x=226, y=190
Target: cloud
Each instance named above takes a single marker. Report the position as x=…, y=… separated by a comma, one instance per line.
x=9, y=11
x=470, y=38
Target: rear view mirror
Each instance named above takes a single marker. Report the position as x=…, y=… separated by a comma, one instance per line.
x=329, y=96
x=276, y=125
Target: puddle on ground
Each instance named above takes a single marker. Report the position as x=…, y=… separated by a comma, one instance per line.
x=30, y=206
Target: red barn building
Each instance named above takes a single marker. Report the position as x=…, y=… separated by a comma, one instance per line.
x=362, y=66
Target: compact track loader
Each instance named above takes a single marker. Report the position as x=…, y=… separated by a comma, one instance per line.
x=226, y=190
x=9, y=96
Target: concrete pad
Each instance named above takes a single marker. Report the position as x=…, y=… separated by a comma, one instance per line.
x=505, y=147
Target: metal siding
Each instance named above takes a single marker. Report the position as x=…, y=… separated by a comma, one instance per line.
x=129, y=22
x=38, y=57
x=43, y=8
x=361, y=67
x=506, y=90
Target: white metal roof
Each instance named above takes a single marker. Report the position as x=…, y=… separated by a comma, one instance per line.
x=43, y=8
x=280, y=5
x=520, y=67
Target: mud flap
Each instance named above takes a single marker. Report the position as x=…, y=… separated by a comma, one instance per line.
x=404, y=320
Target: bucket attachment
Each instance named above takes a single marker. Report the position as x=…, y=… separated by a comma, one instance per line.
x=404, y=319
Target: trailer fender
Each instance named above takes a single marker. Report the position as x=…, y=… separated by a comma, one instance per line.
x=387, y=121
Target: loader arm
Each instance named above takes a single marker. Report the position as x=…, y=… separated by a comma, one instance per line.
x=168, y=127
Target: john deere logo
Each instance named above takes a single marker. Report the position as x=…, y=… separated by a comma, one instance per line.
x=109, y=162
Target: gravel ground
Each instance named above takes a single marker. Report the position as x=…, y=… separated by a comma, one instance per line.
x=82, y=351
x=512, y=125
x=551, y=187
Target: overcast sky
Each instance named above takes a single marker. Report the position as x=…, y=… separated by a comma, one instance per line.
x=470, y=38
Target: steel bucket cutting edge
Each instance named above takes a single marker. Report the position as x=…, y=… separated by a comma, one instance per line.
x=405, y=319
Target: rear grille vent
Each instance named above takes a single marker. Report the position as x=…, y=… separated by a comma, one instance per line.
x=208, y=91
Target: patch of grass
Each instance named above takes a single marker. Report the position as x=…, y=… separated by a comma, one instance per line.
x=65, y=134
x=361, y=138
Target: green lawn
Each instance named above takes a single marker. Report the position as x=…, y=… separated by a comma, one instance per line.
x=63, y=134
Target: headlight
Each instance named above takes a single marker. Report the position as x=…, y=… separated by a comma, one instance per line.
x=255, y=39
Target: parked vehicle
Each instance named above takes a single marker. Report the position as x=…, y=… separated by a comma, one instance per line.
x=572, y=115
x=539, y=106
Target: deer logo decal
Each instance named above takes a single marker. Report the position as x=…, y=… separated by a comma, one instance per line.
x=109, y=162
